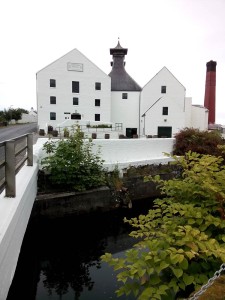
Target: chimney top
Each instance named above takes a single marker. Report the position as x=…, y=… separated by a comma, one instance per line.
x=211, y=66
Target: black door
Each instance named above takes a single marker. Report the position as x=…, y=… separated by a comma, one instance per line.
x=165, y=132
x=130, y=132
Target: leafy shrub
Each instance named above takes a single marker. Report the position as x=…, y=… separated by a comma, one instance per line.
x=203, y=142
x=180, y=243
x=72, y=164
x=99, y=126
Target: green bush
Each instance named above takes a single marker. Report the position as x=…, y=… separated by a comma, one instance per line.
x=195, y=140
x=72, y=164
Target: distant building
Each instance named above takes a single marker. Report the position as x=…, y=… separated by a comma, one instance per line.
x=31, y=117
x=73, y=89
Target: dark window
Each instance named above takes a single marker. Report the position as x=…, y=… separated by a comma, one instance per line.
x=97, y=117
x=98, y=86
x=124, y=96
x=52, y=100
x=75, y=116
x=97, y=102
x=163, y=89
x=165, y=111
x=52, y=83
x=52, y=116
x=75, y=101
x=75, y=87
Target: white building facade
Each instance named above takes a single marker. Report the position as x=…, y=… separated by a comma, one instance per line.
x=73, y=89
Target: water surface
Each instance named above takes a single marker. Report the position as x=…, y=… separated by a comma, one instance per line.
x=60, y=259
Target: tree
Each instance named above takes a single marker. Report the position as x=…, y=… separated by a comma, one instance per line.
x=72, y=164
x=11, y=113
x=180, y=243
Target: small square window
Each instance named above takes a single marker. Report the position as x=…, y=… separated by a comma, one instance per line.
x=97, y=117
x=165, y=111
x=75, y=101
x=97, y=102
x=163, y=89
x=52, y=116
x=52, y=83
x=124, y=96
x=98, y=86
x=75, y=87
x=52, y=100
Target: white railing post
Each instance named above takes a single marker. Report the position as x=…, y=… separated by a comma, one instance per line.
x=10, y=169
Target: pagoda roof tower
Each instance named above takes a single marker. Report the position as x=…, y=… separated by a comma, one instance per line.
x=120, y=79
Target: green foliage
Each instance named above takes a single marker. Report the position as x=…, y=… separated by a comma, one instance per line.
x=8, y=115
x=66, y=132
x=114, y=180
x=72, y=164
x=180, y=243
x=99, y=126
x=195, y=140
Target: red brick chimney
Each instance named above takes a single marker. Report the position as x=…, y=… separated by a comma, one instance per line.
x=210, y=90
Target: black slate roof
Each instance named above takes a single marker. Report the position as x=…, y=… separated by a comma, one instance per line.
x=120, y=79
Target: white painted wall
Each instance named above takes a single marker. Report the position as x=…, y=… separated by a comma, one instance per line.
x=87, y=75
x=125, y=152
x=188, y=111
x=14, y=216
x=28, y=118
x=199, y=117
x=174, y=99
x=133, y=152
x=125, y=111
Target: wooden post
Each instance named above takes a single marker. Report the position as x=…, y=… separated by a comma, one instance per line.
x=10, y=169
x=30, y=149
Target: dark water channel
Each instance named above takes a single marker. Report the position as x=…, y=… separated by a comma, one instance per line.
x=60, y=259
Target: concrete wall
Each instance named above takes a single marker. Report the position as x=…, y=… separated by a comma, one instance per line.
x=14, y=216
x=126, y=152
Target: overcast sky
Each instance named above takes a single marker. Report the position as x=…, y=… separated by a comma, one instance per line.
x=182, y=35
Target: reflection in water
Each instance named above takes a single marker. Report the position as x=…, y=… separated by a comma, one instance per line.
x=60, y=259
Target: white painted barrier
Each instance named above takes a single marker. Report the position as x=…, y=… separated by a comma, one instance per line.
x=133, y=152
x=14, y=217
x=125, y=152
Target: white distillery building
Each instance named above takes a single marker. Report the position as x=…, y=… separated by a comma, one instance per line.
x=73, y=90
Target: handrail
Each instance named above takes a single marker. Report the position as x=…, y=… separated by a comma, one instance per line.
x=13, y=154
x=91, y=128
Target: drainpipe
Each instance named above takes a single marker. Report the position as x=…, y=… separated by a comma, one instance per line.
x=139, y=114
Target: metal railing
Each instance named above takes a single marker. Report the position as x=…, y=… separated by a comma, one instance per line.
x=90, y=129
x=13, y=155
